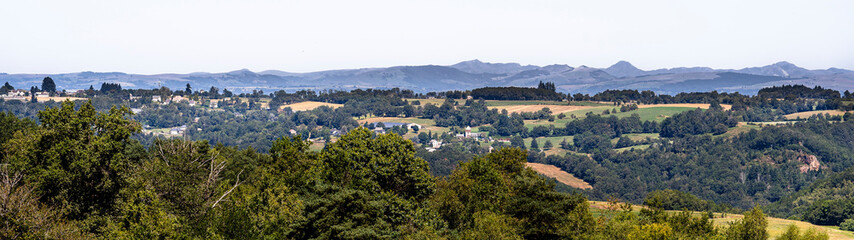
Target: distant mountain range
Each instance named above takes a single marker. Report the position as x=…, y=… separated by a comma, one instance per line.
x=469, y=75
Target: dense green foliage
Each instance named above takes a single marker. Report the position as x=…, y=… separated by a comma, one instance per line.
x=828, y=201
x=697, y=122
x=750, y=169
x=847, y=225
x=97, y=182
x=516, y=93
x=798, y=91
x=84, y=170
x=678, y=200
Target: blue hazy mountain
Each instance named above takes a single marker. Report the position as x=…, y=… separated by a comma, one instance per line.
x=468, y=75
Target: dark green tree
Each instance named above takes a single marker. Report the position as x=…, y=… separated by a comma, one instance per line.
x=75, y=158
x=48, y=85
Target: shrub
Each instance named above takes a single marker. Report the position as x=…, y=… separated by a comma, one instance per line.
x=847, y=225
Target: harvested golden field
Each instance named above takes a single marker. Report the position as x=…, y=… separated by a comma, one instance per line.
x=310, y=105
x=805, y=115
x=778, y=226
x=690, y=105
x=556, y=109
x=560, y=175
x=59, y=99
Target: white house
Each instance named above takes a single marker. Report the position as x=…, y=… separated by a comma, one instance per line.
x=435, y=144
x=178, y=130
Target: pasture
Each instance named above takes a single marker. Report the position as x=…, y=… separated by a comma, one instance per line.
x=555, y=109
x=776, y=226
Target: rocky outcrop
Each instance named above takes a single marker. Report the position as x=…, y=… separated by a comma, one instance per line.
x=810, y=162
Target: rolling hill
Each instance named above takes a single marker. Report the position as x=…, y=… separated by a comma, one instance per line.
x=469, y=75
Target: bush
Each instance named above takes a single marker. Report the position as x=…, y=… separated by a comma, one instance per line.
x=847, y=225
x=677, y=200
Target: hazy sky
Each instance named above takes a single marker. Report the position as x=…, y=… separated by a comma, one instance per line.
x=155, y=36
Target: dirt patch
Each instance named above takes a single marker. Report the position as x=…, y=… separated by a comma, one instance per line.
x=306, y=106
x=556, y=109
x=690, y=105
x=560, y=175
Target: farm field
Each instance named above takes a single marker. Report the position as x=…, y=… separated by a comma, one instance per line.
x=689, y=105
x=59, y=99
x=555, y=109
x=309, y=105
x=742, y=127
x=645, y=114
x=636, y=147
x=561, y=176
x=805, y=115
x=426, y=124
x=499, y=103
x=776, y=226
x=542, y=140
x=637, y=137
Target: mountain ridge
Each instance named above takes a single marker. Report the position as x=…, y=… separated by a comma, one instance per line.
x=468, y=75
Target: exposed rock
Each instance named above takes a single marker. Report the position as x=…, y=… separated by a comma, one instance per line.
x=810, y=162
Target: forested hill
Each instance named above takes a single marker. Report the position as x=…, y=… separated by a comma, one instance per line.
x=469, y=75
x=123, y=163
x=79, y=175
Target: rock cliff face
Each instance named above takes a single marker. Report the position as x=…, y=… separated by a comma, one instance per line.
x=810, y=162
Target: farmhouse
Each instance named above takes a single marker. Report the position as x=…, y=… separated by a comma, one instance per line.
x=178, y=130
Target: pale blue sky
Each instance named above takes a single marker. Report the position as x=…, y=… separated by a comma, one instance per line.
x=157, y=36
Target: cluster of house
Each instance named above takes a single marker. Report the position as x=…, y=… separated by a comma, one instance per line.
x=178, y=130
x=23, y=95
x=16, y=94
x=165, y=101
x=381, y=127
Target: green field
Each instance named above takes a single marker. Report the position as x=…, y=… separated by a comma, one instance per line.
x=637, y=137
x=645, y=114
x=638, y=147
x=542, y=141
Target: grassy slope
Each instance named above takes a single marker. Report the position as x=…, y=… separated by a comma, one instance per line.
x=776, y=226
x=805, y=115
x=559, y=175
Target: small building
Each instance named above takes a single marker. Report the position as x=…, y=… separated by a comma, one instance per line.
x=379, y=130
x=435, y=144
x=192, y=103
x=292, y=132
x=178, y=130
x=214, y=104
x=155, y=98
x=178, y=99
x=136, y=110
x=42, y=94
